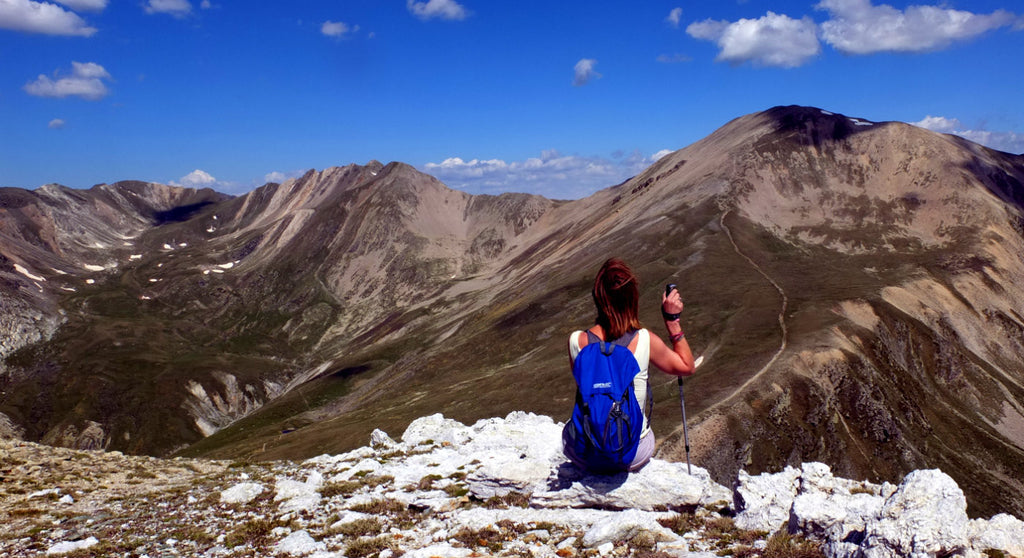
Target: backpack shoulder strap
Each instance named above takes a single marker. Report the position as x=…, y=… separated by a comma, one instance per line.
x=592, y=339
x=608, y=346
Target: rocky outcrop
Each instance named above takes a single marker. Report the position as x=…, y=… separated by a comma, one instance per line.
x=415, y=497
x=925, y=516
x=219, y=407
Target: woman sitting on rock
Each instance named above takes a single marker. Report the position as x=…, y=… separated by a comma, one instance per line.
x=612, y=397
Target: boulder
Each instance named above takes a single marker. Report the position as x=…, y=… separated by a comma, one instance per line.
x=659, y=485
x=623, y=526
x=298, y=543
x=764, y=501
x=926, y=517
x=299, y=496
x=241, y=493
x=1003, y=532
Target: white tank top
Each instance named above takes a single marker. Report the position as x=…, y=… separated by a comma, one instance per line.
x=643, y=358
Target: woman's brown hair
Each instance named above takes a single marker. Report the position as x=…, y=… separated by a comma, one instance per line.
x=617, y=298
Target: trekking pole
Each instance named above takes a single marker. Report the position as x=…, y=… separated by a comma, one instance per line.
x=686, y=433
x=682, y=402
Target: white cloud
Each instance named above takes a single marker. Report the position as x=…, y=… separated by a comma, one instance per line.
x=197, y=179
x=1010, y=142
x=279, y=177
x=176, y=8
x=938, y=123
x=337, y=28
x=443, y=9
x=584, y=72
x=674, y=16
x=85, y=5
x=552, y=174
x=85, y=81
x=205, y=5
x=661, y=154
x=772, y=40
x=858, y=27
x=55, y=124
x=42, y=17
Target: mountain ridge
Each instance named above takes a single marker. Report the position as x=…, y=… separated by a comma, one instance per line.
x=363, y=296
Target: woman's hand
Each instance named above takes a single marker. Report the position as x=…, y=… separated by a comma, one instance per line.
x=671, y=303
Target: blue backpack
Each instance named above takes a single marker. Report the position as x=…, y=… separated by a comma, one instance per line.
x=607, y=419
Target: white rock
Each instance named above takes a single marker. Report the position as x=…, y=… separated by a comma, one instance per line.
x=444, y=549
x=380, y=439
x=659, y=484
x=1002, y=532
x=435, y=429
x=298, y=543
x=241, y=493
x=299, y=496
x=764, y=501
x=363, y=468
x=66, y=499
x=566, y=543
x=623, y=526
x=605, y=549
x=927, y=516
x=824, y=508
x=65, y=547
x=498, y=477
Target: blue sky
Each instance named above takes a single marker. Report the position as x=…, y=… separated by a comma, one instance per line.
x=556, y=98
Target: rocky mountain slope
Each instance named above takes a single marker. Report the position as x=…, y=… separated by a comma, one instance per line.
x=854, y=287
x=497, y=488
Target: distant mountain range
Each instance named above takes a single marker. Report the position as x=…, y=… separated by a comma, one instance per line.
x=856, y=289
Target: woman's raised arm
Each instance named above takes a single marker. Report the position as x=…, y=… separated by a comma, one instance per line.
x=676, y=358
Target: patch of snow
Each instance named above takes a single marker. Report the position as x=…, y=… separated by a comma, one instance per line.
x=154, y=280
x=129, y=244
x=134, y=257
x=59, y=272
x=228, y=265
x=144, y=297
x=211, y=229
x=168, y=247
x=46, y=492
x=826, y=113
x=183, y=244
x=99, y=245
x=217, y=271
x=858, y=122
x=90, y=281
x=206, y=272
x=69, y=289
x=65, y=547
x=92, y=267
x=214, y=217
x=66, y=499
x=20, y=269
